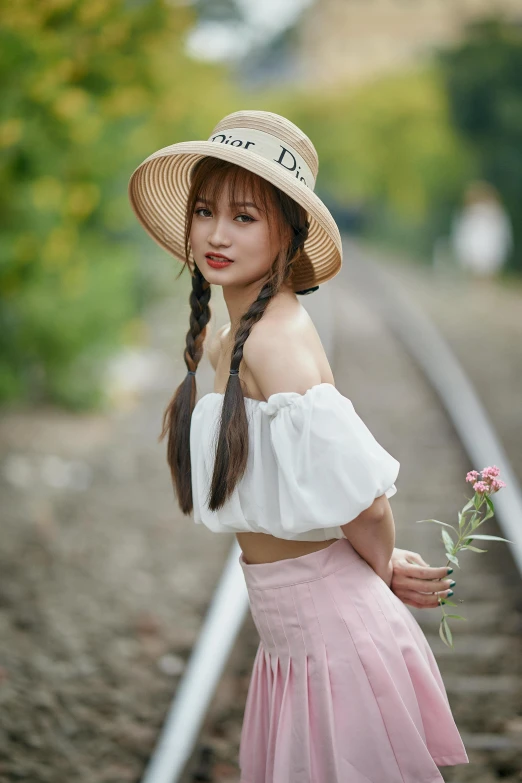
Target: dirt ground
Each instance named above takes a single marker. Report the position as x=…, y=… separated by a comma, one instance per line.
x=100, y=597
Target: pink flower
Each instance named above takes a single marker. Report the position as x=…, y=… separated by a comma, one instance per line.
x=491, y=472
x=481, y=487
x=486, y=482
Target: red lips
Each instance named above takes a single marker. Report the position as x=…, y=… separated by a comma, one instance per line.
x=217, y=260
x=217, y=255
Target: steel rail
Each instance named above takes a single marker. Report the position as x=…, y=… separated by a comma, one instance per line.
x=230, y=602
x=441, y=367
x=206, y=663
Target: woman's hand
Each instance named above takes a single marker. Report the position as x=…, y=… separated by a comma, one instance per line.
x=415, y=582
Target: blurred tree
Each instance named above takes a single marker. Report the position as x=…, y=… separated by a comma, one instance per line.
x=483, y=77
x=387, y=148
x=88, y=89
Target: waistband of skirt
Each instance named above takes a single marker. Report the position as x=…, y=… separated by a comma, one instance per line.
x=305, y=568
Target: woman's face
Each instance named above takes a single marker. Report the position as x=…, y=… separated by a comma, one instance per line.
x=240, y=233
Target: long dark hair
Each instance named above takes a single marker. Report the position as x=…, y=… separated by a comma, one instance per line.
x=209, y=175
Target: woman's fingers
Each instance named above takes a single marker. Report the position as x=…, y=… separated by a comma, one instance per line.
x=414, y=557
x=419, y=600
x=413, y=571
x=422, y=585
x=406, y=555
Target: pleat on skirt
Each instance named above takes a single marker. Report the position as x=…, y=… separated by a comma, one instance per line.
x=344, y=687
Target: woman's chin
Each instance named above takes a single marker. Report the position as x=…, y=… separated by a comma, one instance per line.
x=219, y=276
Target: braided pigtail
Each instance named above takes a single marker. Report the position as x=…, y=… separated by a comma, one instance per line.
x=232, y=441
x=177, y=416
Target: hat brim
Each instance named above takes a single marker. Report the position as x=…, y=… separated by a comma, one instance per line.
x=159, y=187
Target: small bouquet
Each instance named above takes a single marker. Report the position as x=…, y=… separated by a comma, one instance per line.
x=473, y=515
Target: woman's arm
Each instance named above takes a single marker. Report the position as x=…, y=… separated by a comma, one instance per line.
x=372, y=535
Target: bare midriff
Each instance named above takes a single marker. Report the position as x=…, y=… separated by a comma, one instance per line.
x=264, y=548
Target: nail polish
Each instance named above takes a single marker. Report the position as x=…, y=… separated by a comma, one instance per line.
x=450, y=571
x=452, y=584
x=450, y=593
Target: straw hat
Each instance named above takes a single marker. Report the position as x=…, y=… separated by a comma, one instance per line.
x=262, y=142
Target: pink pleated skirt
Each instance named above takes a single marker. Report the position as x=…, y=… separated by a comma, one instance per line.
x=344, y=688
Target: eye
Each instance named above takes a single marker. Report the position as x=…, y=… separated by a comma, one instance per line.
x=248, y=218
x=201, y=209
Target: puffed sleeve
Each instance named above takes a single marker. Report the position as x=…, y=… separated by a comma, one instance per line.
x=329, y=465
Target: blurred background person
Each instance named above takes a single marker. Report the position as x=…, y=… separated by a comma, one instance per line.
x=482, y=236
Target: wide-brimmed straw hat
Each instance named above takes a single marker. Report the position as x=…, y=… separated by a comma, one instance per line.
x=262, y=142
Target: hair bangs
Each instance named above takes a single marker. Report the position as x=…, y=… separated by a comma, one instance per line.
x=243, y=186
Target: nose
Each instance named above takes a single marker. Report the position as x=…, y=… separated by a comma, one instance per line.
x=218, y=235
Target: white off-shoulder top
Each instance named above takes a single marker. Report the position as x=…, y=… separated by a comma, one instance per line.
x=313, y=465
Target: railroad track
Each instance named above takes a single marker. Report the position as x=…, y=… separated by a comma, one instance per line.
x=374, y=366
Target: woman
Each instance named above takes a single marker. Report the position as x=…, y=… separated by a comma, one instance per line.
x=345, y=688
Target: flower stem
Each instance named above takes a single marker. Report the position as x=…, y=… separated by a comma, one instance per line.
x=463, y=533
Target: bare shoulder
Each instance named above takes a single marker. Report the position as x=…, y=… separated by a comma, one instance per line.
x=283, y=351
x=216, y=343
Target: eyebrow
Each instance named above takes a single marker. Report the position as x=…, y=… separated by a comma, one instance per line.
x=234, y=203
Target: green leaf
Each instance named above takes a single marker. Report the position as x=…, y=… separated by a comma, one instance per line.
x=453, y=559
x=448, y=541
x=447, y=602
x=457, y=617
x=474, y=548
x=448, y=631
x=468, y=505
x=484, y=537
x=437, y=522
x=442, y=630
x=490, y=504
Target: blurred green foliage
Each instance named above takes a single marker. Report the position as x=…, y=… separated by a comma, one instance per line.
x=91, y=87
x=389, y=148
x=483, y=76
x=88, y=89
